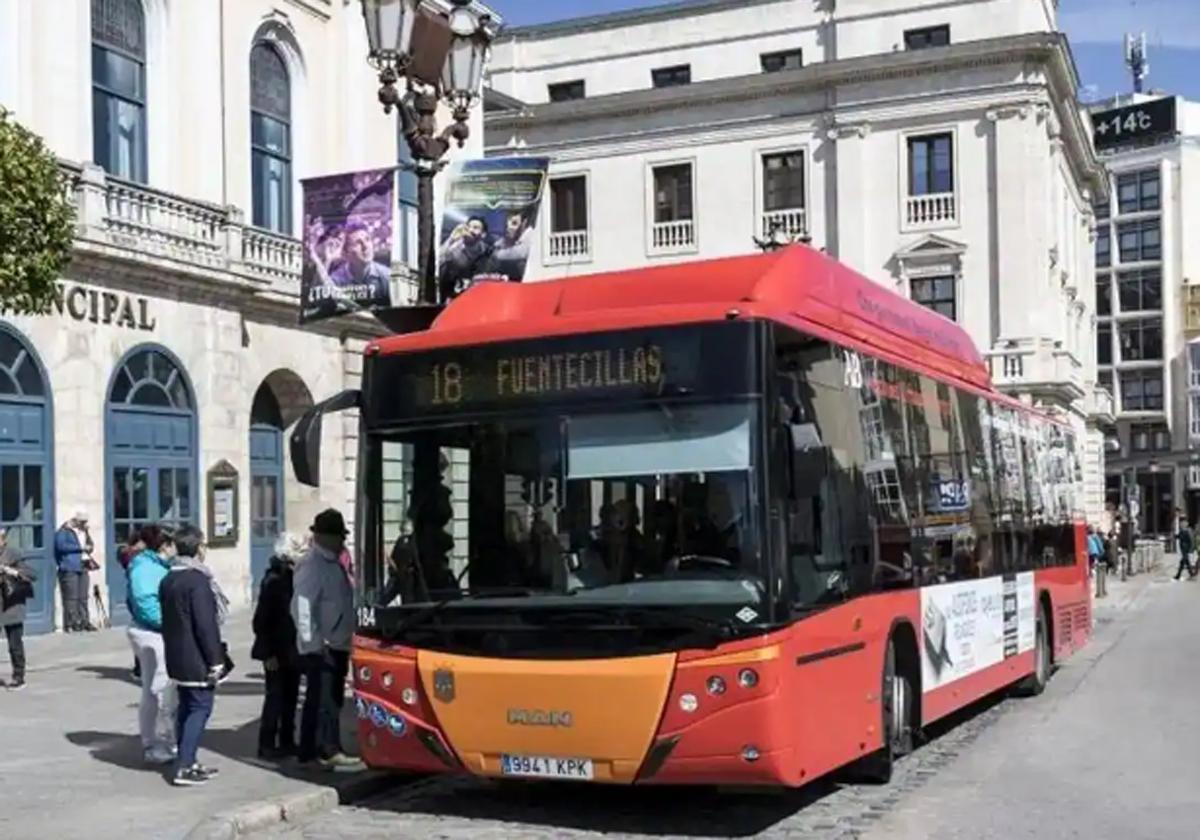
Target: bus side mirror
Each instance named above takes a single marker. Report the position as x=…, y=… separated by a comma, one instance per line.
x=305, y=443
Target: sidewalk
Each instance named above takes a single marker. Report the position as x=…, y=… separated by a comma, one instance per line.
x=71, y=762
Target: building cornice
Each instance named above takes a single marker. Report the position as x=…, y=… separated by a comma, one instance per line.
x=1048, y=50
x=629, y=17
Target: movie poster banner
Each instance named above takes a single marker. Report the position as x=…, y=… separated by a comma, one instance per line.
x=347, y=243
x=489, y=221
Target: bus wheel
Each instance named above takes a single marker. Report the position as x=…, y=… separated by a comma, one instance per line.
x=1035, y=683
x=896, y=713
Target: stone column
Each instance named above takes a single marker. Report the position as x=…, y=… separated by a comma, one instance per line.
x=852, y=231
x=92, y=203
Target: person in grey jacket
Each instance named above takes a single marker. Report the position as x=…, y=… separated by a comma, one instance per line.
x=16, y=587
x=323, y=609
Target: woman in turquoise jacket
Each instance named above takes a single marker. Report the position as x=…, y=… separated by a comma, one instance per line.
x=156, y=710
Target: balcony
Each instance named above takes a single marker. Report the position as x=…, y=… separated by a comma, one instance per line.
x=793, y=223
x=935, y=210
x=170, y=233
x=569, y=246
x=1039, y=368
x=1191, y=310
x=673, y=237
x=1099, y=406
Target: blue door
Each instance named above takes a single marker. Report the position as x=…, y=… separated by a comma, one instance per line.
x=26, y=470
x=266, y=482
x=151, y=456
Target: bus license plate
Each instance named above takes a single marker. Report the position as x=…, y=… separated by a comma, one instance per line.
x=543, y=767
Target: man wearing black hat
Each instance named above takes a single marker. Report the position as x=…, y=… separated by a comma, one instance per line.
x=323, y=609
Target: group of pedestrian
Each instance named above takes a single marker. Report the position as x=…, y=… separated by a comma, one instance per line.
x=303, y=625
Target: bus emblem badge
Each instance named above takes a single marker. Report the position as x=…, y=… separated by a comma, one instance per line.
x=443, y=684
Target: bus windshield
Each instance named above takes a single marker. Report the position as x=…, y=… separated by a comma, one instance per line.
x=649, y=507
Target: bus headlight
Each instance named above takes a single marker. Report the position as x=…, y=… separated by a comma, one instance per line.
x=715, y=685
x=747, y=678
x=364, y=674
x=409, y=696
x=688, y=703
x=386, y=679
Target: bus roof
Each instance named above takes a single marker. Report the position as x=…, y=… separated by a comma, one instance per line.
x=796, y=286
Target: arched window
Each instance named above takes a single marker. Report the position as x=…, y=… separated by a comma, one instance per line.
x=270, y=139
x=150, y=378
x=119, y=87
x=19, y=373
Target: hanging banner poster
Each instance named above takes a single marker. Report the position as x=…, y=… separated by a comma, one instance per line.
x=489, y=221
x=347, y=243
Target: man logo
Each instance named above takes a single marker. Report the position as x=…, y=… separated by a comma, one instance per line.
x=538, y=717
x=443, y=684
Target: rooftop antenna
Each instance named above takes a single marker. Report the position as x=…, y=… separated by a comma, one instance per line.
x=1136, y=59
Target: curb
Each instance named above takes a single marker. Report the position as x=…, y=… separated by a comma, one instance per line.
x=292, y=807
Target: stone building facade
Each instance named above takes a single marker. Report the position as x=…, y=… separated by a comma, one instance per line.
x=184, y=130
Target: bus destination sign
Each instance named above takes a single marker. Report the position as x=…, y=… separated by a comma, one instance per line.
x=711, y=359
x=1134, y=124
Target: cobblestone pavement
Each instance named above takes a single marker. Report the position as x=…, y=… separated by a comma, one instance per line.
x=464, y=808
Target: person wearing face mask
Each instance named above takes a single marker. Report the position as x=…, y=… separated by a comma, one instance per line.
x=275, y=647
x=323, y=610
x=156, y=709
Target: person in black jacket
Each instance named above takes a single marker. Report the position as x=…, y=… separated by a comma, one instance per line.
x=16, y=587
x=275, y=647
x=192, y=647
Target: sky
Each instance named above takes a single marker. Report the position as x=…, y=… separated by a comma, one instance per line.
x=1096, y=29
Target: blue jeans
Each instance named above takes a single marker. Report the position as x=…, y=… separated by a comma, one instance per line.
x=195, y=706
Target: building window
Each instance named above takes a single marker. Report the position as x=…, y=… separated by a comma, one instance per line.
x=1194, y=365
x=1105, y=378
x=270, y=139
x=1103, y=209
x=1194, y=403
x=672, y=76
x=1149, y=437
x=568, y=204
x=783, y=181
x=930, y=164
x=674, y=228
x=566, y=91
x=1104, y=352
x=1140, y=240
x=1141, y=340
x=930, y=36
x=1103, y=246
x=1140, y=290
x=1142, y=390
x=1138, y=192
x=936, y=293
x=119, y=88
x=775, y=62
x=673, y=193
x=1104, y=295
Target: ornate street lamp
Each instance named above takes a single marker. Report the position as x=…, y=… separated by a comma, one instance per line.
x=439, y=55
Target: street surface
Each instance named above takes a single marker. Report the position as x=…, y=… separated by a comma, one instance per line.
x=71, y=761
x=1109, y=751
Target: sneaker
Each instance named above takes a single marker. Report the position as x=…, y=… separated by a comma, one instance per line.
x=189, y=777
x=211, y=772
x=158, y=755
x=338, y=761
x=17, y=684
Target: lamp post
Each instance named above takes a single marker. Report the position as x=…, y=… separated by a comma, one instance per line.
x=438, y=56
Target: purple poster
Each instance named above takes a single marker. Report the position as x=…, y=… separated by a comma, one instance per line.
x=347, y=243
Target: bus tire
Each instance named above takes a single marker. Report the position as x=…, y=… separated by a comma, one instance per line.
x=896, y=713
x=1035, y=683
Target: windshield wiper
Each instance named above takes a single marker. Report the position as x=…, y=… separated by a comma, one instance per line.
x=435, y=609
x=722, y=629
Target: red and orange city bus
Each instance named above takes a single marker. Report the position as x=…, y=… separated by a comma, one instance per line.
x=742, y=521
